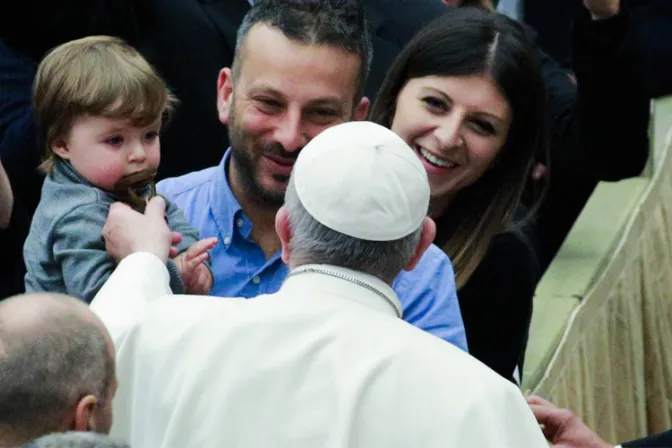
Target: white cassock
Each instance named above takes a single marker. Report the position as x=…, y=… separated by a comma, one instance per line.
x=325, y=362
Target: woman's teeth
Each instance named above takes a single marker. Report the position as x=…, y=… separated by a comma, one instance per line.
x=434, y=160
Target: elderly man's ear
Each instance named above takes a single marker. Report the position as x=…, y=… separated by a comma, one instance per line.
x=83, y=418
x=284, y=233
x=426, y=239
x=92, y=415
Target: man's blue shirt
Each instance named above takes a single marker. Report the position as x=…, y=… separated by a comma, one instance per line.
x=427, y=293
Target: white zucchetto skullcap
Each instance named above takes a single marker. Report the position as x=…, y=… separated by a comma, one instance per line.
x=362, y=180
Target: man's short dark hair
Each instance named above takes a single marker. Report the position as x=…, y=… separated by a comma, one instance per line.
x=338, y=23
x=45, y=371
x=75, y=439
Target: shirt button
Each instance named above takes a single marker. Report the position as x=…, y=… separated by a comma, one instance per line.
x=239, y=222
x=227, y=240
x=256, y=280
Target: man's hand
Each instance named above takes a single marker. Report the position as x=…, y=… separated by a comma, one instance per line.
x=127, y=231
x=196, y=275
x=602, y=9
x=6, y=199
x=562, y=428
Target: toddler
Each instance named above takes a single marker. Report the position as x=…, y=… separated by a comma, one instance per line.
x=100, y=107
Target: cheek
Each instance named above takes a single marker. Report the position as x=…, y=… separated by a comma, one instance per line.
x=312, y=130
x=154, y=155
x=411, y=123
x=252, y=122
x=254, y=131
x=403, y=125
x=108, y=177
x=481, y=157
x=104, y=170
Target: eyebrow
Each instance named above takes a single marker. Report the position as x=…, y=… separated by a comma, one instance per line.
x=324, y=101
x=109, y=131
x=478, y=113
x=117, y=129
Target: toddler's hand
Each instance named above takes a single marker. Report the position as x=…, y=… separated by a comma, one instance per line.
x=191, y=264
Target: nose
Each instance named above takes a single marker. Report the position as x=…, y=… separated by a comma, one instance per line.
x=137, y=153
x=290, y=133
x=449, y=131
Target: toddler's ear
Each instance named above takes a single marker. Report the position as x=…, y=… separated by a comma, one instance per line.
x=60, y=148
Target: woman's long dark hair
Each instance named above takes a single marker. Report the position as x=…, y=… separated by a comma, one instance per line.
x=468, y=41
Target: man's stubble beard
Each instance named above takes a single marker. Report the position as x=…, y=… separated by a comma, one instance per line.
x=246, y=166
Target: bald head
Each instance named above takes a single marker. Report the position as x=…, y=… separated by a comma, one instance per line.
x=53, y=351
x=30, y=313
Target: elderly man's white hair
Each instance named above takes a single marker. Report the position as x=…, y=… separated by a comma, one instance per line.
x=315, y=243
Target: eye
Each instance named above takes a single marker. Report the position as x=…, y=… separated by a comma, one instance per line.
x=114, y=140
x=268, y=104
x=151, y=136
x=435, y=104
x=483, y=127
x=323, y=115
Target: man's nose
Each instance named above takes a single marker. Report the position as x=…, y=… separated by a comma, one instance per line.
x=290, y=133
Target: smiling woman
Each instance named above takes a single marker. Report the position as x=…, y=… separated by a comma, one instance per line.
x=457, y=125
x=467, y=95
